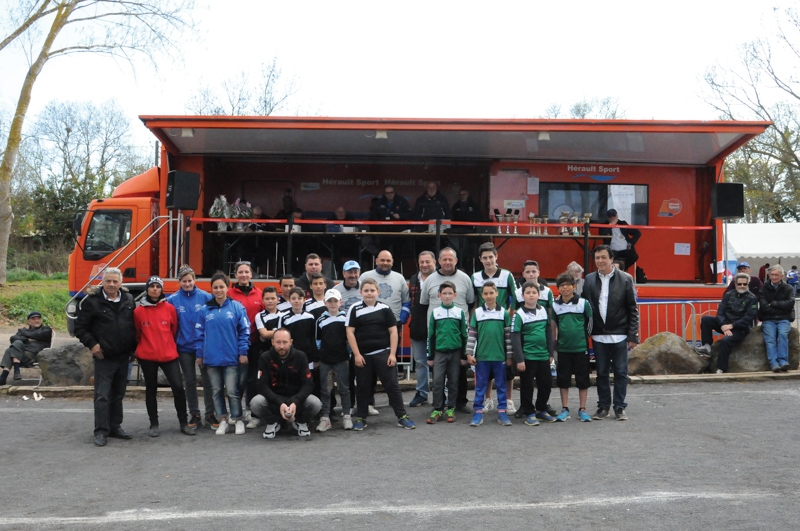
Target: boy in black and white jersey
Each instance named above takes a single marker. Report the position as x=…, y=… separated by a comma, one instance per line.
x=334, y=356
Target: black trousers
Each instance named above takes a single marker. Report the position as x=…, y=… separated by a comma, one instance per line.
x=110, y=383
x=172, y=370
x=540, y=371
x=375, y=365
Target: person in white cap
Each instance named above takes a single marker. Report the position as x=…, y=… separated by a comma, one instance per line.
x=334, y=356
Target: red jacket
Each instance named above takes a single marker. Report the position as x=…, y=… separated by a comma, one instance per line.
x=156, y=328
x=251, y=300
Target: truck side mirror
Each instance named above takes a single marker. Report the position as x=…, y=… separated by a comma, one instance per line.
x=77, y=223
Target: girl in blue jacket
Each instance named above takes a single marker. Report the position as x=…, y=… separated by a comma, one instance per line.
x=223, y=337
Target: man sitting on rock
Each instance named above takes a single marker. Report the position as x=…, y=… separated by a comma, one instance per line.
x=735, y=316
x=25, y=346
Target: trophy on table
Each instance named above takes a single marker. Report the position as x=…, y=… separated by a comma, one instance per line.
x=515, y=218
x=507, y=218
x=563, y=219
x=587, y=218
x=545, y=219
x=531, y=220
x=499, y=218
x=573, y=220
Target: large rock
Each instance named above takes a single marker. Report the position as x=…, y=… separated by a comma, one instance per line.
x=751, y=355
x=66, y=365
x=665, y=353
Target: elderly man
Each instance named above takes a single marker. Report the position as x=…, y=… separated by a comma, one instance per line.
x=615, y=329
x=105, y=326
x=776, y=313
x=418, y=331
x=25, y=346
x=350, y=287
x=465, y=298
x=735, y=316
x=623, y=241
x=755, y=284
x=313, y=265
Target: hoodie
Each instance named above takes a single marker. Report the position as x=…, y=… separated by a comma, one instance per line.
x=156, y=326
x=223, y=333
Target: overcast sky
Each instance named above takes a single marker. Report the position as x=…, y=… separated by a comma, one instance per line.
x=430, y=59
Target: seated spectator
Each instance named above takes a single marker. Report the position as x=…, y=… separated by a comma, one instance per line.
x=755, y=282
x=623, y=241
x=432, y=204
x=576, y=270
x=25, y=346
x=735, y=316
x=792, y=277
x=389, y=207
x=465, y=209
x=776, y=313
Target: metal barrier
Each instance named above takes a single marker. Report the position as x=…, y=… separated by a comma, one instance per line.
x=682, y=318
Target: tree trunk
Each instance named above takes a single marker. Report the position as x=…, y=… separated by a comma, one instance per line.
x=15, y=135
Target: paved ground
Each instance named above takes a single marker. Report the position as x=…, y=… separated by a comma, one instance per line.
x=713, y=455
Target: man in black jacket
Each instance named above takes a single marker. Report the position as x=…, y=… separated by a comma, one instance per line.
x=284, y=388
x=432, y=204
x=735, y=316
x=25, y=346
x=418, y=331
x=105, y=326
x=623, y=241
x=615, y=329
x=776, y=313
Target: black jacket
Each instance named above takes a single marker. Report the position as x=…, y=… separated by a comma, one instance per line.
x=776, y=303
x=631, y=235
x=754, y=286
x=622, y=313
x=35, y=339
x=382, y=210
x=108, y=323
x=435, y=207
x=284, y=381
x=738, y=309
x=418, y=328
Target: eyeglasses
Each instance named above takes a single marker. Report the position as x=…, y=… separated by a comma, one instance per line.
x=742, y=283
x=241, y=263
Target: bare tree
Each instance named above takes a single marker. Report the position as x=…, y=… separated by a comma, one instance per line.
x=121, y=29
x=601, y=108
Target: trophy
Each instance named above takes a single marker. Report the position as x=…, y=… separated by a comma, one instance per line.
x=515, y=219
x=587, y=218
x=499, y=217
x=545, y=219
x=507, y=219
x=563, y=219
x=573, y=220
x=531, y=220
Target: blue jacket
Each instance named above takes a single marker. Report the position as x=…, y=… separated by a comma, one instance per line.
x=223, y=333
x=188, y=305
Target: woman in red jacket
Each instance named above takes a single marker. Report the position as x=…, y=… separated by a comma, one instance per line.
x=156, y=327
x=246, y=293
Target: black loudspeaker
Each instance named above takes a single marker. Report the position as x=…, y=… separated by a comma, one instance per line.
x=727, y=201
x=183, y=190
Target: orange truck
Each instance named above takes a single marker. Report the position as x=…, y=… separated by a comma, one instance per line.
x=665, y=178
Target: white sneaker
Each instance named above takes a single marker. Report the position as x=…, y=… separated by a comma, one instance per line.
x=372, y=411
x=324, y=424
x=271, y=430
x=248, y=415
x=302, y=428
x=255, y=422
x=488, y=405
x=719, y=371
x=348, y=422
x=223, y=427
x=239, y=427
x=510, y=407
x=705, y=348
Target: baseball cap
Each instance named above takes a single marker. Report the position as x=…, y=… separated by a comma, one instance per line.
x=34, y=314
x=351, y=264
x=333, y=294
x=612, y=212
x=741, y=265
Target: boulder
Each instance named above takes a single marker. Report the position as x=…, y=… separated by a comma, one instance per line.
x=751, y=355
x=66, y=365
x=665, y=353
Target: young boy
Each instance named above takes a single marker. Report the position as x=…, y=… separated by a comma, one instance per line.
x=302, y=326
x=266, y=323
x=286, y=285
x=331, y=338
x=447, y=337
x=532, y=343
x=316, y=304
x=372, y=336
x=573, y=317
x=489, y=349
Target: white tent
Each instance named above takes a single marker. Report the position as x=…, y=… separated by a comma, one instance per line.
x=760, y=243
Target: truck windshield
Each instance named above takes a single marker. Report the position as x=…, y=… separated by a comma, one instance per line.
x=108, y=231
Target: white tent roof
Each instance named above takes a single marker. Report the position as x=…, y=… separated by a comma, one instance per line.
x=759, y=243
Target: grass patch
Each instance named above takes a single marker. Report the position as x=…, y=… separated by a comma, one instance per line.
x=23, y=275
x=48, y=296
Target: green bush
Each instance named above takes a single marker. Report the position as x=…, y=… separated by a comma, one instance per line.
x=45, y=299
x=23, y=275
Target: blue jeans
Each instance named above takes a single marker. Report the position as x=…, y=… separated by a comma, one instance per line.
x=776, y=336
x=484, y=372
x=226, y=379
x=419, y=351
x=611, y=356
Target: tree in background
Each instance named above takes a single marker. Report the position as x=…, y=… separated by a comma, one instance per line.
x=121, y=29
x=602, y=108
x=759, y=87
x=241, y=95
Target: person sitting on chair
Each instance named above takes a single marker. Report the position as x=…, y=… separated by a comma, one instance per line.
x=25, y=346
x=623, y=241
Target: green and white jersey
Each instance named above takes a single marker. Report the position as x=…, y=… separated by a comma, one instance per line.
x=533, y=325
x=447, y=330
x=504, y=281
x=545, y=296
x=574, y=322
x=489, y=340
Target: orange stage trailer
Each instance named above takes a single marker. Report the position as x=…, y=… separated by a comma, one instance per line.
x=657, y=174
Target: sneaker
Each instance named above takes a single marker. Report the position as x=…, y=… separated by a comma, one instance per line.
x=477, y=419
x=465, y=409
x=620, y=414
x=520, y=414
x=531, y=420
x=359, y=424
x=550, y=410
x=254, y=422
x=544, y=416
x=212, y=422
x=785, y=367
x=502, y=419
x=451, y=415
x=510, y=407
x=271, y=430
x=405, y=422
x=239, y=430
x=248, y=416
x=194, y=421
x=301, y=428
x=188, y=430
x=153, y=431
x=222, y=429
x=417, y=401
x=563, y=416
x=704, y=349
x=719, y=371
x=324, y=424
x=372, y=411
x=435, y=416
x=601, y=413
x=776, y=368
x=488, y=404
x=348, y=422
x=583, y=416
x=553, y=372
x=17, y=377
